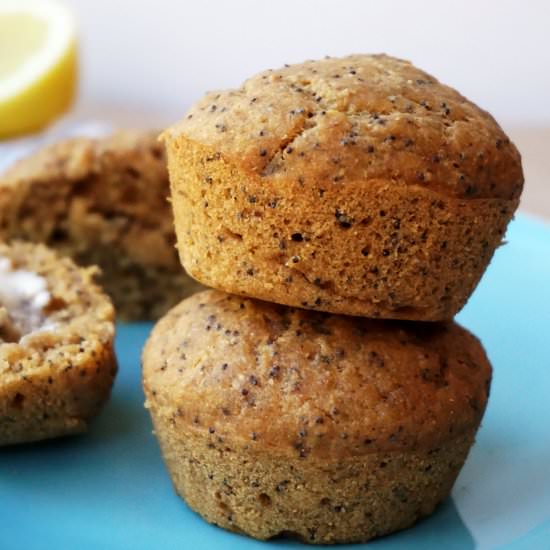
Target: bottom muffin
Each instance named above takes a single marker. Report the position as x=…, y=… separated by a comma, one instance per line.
x=283, y=422
x=57, y=362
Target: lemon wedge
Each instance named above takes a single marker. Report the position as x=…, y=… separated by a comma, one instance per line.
x=38, y=64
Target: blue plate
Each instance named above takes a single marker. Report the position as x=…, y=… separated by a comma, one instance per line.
x=109, y=489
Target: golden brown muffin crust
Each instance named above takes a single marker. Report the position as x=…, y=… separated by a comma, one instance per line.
x=359, y=118
x=389, y=251
x=310, y=385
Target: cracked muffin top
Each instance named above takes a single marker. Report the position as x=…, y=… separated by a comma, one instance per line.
x=357, y=118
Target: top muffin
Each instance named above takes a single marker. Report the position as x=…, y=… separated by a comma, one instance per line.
x=358, y=185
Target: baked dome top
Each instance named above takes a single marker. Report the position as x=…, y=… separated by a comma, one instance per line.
x=297, y=382
x=361, y=117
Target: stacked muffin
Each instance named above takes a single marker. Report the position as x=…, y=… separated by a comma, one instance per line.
x=356, y=195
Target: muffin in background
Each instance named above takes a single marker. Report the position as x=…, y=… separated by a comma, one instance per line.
x=102, y=202
x=57, y=360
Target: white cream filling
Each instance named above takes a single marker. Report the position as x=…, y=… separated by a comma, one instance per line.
x=23, y=296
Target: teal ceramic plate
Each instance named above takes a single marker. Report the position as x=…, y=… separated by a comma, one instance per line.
x=109, y=489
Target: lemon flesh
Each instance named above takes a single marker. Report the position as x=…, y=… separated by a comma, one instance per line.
x=38, y=65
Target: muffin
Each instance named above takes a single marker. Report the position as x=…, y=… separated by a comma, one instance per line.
x=57, y=363
x=102, y=202
x=359, y=185
x=281, y=421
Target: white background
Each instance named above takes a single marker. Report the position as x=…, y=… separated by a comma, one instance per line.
x=164, y=54
x=143, y=62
